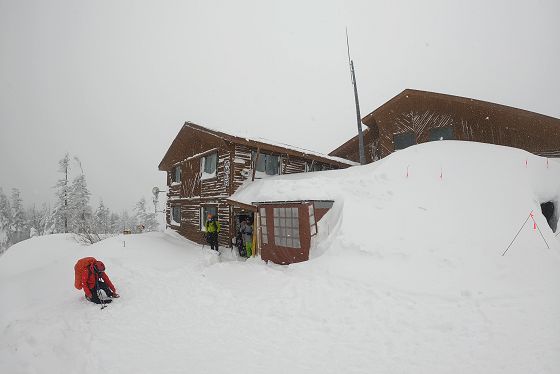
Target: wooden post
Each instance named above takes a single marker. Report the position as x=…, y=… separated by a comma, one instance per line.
x=255, y=163
x=254, y=244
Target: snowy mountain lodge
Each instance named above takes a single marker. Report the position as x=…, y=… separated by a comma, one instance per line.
x=414, y=117
x=205, y=167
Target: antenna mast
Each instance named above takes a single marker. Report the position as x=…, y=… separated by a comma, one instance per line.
x=358, y=116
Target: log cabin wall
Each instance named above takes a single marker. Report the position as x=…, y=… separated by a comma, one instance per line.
x=234, y=167
x=421, y=113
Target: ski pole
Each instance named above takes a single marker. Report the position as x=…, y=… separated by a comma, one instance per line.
x=540, y=232
x=515, y=237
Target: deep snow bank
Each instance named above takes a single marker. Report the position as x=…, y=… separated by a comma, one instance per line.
x=407, y=277
x=439, y=210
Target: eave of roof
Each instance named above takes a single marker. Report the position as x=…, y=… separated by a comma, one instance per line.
x=260, y=143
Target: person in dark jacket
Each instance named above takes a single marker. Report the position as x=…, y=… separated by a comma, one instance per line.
x=95, y=279
x=246, y=229
x=212, y=230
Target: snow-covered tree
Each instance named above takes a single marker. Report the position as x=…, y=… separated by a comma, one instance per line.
x=143, y=218
x=102, y=217
x=115, y=222
x=5, y=222
x=39, y=220
x=62, y=209
x=78, y=202
x=19, y=223
x=126, y=222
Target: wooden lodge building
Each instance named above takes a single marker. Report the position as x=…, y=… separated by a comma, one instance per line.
x=205, y=167
x=415, y=116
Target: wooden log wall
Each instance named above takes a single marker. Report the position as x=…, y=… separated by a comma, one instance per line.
x=418, y=112
x=234, y=167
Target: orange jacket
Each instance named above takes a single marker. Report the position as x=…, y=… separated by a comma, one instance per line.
x=89, y=278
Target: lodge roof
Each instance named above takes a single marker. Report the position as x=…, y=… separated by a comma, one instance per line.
x=459, y=107
x=472, y=104
x=254, y=142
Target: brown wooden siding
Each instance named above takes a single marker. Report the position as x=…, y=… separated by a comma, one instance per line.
x=418, y=112
x=234, y=167
x=282, y=255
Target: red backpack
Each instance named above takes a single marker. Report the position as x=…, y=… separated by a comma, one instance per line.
x=79, y=268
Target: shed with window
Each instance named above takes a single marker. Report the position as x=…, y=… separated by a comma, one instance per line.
x=285, y=228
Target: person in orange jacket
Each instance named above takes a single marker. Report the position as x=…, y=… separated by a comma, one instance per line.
x=95, y=279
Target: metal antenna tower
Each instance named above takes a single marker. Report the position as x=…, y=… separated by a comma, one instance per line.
x=358, y=116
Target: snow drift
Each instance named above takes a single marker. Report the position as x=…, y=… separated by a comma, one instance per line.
x=406, y=275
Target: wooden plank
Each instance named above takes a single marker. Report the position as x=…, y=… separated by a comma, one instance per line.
x=255, y=163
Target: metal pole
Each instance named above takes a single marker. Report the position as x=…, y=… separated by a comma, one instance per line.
x=358, y=115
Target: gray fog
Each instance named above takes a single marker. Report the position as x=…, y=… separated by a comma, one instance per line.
x=113, y=81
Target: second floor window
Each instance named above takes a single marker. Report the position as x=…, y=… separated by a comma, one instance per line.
x=208, y=166
x=404, y=140
x=266, y=164
x=441, y=133
x=176, y=174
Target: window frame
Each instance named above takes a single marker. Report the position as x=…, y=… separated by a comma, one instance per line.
x=312, y=221
x=286, y=227
x=264, y=160
x=204, y=161
x=402, y=135
x=263, y=225
x=433, y=130
x=176, y=174
x=172, y=221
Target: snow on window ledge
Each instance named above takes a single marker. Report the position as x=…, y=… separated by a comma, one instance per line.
x=205, y=176
x=175, y=184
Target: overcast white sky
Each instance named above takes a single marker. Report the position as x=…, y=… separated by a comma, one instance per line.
x=113, y=81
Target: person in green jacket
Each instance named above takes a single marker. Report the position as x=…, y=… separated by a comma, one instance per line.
x=212, y=230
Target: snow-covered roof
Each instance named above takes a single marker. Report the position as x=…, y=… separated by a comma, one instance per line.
x=266, y=142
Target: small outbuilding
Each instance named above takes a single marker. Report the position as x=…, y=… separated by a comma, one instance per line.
x=285, y=228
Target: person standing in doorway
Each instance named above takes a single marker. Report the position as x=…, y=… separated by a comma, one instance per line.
x=246, y=229
x=212, y=230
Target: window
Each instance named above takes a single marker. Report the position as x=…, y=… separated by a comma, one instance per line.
x=208, y=166
x=312, y=223
x=404, y=140
x=286, y=227
x=176, y=174
x=323, y=204
x=204, y=215
x=315, y=166
x=264, y=228
x=441, y=133
x=176, y=215
x=266, y=164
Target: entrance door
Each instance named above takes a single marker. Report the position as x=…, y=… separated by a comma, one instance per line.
x=244, y=231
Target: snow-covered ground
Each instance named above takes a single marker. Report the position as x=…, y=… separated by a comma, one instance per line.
x=406, y=276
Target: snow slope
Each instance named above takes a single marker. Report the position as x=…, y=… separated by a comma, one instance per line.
x=406, y=276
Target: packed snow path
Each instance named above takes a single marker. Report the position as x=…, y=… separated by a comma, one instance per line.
x=182, y=311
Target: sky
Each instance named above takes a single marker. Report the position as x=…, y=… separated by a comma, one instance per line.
x=112, y=82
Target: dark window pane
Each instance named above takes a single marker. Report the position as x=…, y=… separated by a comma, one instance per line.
x=441, y=133
x=404, y=140
x=272, y=165
x=210, y=162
